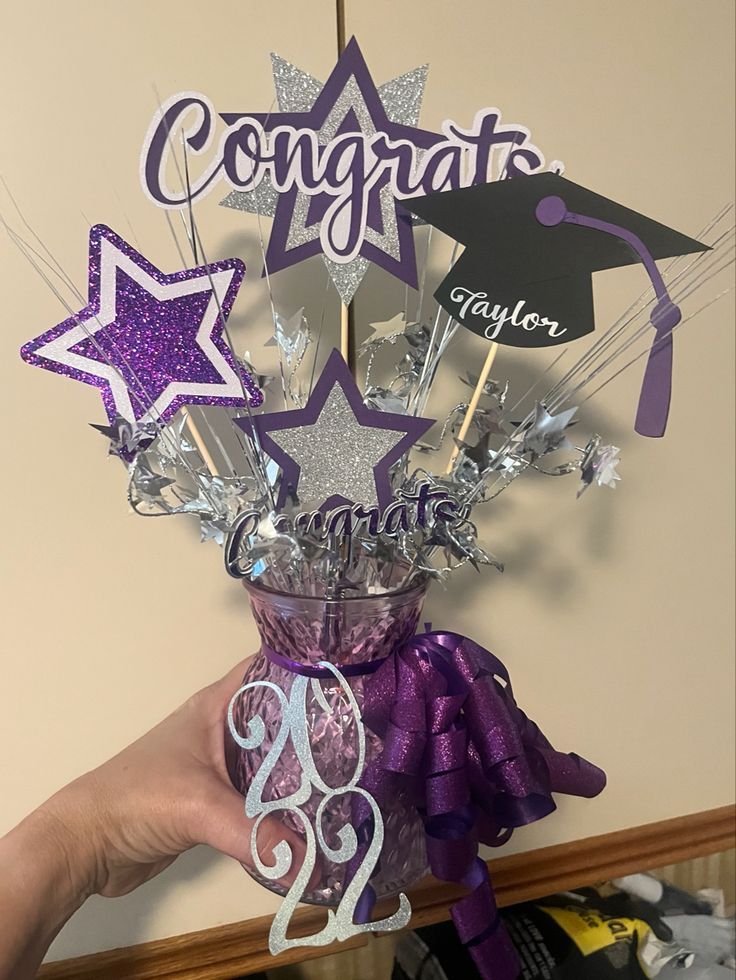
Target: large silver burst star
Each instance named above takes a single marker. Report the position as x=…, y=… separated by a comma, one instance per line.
x=297, y=91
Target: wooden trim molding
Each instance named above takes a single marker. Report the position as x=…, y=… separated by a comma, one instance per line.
x=242, y=947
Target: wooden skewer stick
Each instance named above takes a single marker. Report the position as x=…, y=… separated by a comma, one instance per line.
x=340, y=25
x=346, y=311
x=347, y=335
x=473, y=404
x=200, y=443
x=345, y=332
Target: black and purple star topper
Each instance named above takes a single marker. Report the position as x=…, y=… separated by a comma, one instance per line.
x=349, y=102
x=336, y=450
x=150, y=341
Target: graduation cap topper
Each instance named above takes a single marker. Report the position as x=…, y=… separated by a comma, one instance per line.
x=524, y=278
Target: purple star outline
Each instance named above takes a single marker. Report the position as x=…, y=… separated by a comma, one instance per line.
x=337, y=372
x=150, y=342
x=350, y=63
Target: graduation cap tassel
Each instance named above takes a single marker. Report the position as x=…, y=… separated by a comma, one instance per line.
x=656, y=390
x=680, y=286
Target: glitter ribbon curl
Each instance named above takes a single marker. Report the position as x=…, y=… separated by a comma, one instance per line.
x=475, y=765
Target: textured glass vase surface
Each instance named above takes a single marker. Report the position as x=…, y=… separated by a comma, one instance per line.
x=309, y=629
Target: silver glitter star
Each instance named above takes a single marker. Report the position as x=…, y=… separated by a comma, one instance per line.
x=261, y=200
x=347, y=276
x=336, y=434
x=402, y=96
x=297, y=91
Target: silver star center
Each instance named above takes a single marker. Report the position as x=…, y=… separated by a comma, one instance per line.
x=336, y=454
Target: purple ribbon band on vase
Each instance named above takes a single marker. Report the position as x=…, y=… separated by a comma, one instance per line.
x=314, y=670
x=475, y=766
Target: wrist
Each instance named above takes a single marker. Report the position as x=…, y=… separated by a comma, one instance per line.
x=45, y=854
x=67, y=826
x=45, y=877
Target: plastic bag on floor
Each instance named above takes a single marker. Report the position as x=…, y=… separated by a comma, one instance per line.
x=560, y=938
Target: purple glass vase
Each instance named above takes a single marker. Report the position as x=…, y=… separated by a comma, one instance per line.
x=306, y=630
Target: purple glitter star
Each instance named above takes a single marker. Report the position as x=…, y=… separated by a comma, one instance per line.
x=151, y=342
x=336, y=449
x=351, y=67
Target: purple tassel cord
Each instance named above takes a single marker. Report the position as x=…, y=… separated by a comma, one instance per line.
x=476, y=766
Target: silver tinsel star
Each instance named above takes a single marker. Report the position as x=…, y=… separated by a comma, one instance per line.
x=289, y=335
x=417, y=336
x=479, y=454
x=386, y=400
x=212, y=531
x=125, y=437
x=389, y=330
x=146, y=481
x=599, y=466
x=546, y=432
x=460, y=543
x=262, y=380
x=492, y=388
x=488, y=421
x=173, y=445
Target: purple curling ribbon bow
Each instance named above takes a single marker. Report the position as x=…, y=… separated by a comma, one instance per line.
x=476, y=767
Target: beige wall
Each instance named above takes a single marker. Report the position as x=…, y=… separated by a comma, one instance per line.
x=615, y=612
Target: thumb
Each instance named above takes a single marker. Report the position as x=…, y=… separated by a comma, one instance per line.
x=224, y=826
x=224, y=688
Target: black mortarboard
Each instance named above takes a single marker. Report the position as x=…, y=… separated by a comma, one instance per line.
x=529, y=241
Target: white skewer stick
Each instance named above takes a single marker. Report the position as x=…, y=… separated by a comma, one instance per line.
x=473, y=404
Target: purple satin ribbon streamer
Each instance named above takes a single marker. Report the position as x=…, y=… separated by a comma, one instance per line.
x=474, y=764
x=321, y=673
